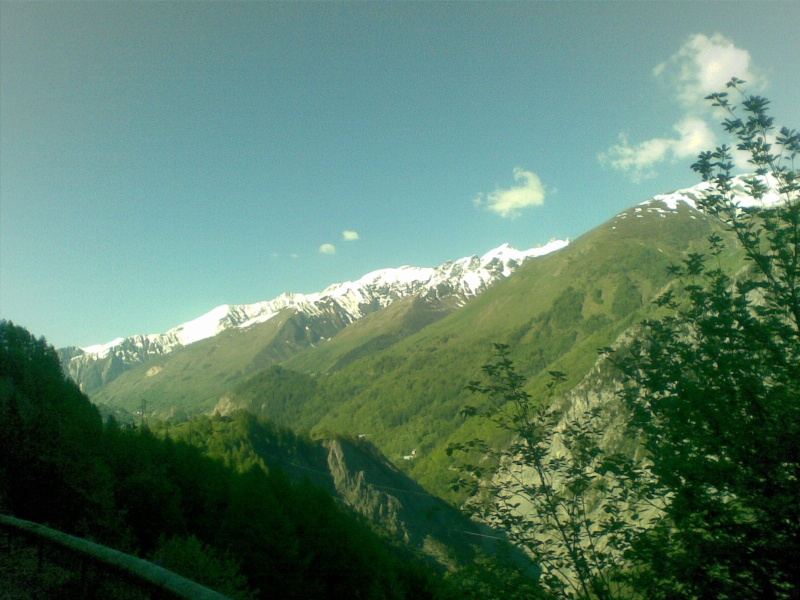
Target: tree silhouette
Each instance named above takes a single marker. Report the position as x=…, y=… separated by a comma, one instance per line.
x=714, y=383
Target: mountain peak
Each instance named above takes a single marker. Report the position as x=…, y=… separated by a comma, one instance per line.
x=740, y=193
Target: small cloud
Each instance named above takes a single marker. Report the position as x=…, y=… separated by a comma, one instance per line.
x=273, y=255
x=694, y=136
x=327, y=249
x=350, y=236
x=703, y=66
x=294, y=256
x=508, y=203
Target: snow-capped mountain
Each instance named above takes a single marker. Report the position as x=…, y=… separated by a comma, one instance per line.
x=740, y=194
x=694, y=197
x=341, y=304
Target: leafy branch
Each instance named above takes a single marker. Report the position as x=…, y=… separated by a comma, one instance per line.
x=575, y=507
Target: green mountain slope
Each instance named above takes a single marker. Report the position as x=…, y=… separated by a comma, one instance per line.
x=191, y=379
x=370, y=334
x=398, y=375
x=555, y=313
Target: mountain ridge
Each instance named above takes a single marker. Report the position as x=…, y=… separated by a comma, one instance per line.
x=456, y=281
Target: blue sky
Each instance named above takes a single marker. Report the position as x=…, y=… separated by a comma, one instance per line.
x=160, y=159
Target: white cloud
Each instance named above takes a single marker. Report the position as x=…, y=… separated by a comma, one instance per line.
x=327, y=249
x=508, y=203
x=704, y=65
x=640, y=160
x=350, y=236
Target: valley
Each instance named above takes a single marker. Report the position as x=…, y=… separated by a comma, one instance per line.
x=398, y=374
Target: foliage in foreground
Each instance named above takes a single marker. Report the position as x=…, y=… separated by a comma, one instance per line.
x=712, y=388
x=576, y=508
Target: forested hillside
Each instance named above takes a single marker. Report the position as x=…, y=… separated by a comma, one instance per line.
x=405, y=392
x=233, y=524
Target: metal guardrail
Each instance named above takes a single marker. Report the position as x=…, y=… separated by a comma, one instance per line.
x=135, y=570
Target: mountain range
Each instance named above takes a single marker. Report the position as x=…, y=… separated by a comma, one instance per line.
x=388, y=356
x=374, y=372
x=324, y=314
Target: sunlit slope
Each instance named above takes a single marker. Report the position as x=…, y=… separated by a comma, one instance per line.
x=371, y=334
x=271, y=332
x=398, y=375
x=555, y=313
x=192, y=379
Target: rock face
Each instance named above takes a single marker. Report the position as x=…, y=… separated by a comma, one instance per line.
x=592, y=405
x=364, y=480
x=368, y=498
x=369, y=484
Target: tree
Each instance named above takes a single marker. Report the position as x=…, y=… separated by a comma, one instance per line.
x=711, y=387
x=204, y=564
x=577, y=507
x=50, y=455
x=714, y=383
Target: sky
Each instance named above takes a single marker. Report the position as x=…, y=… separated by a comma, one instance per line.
x=160, y=159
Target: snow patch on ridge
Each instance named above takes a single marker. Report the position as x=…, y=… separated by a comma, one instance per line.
x=202, y=327
x=741, y=196
x=465, y=277
x=101, y=350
